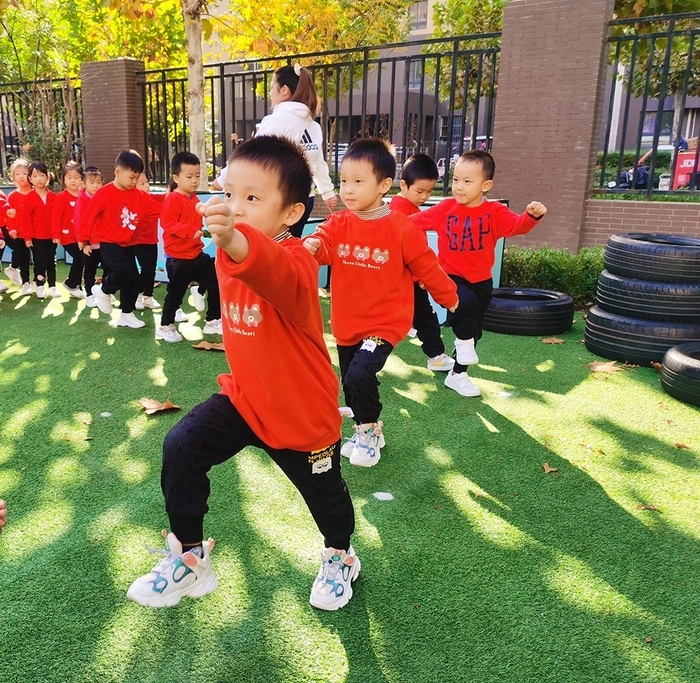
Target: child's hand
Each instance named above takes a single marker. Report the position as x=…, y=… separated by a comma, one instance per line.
x=536, y=209
x=197, y=235
x=312, y=244
x=11, y=213
x=452, y=309
x=2, y=244
x=28, y=243
x=12, y=233
x=87, y=250
x=55, y=240
x=331, y=203
x=220, y=221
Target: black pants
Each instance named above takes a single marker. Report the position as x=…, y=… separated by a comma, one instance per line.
x=215, y=431
x=183, y=271
x=359, y=366
x=147, y=256
x=20, y=254
x=298, y=227
x=75, y=274
x=123, y=274
x=92, y=263
x=44, y=252
x=426, y=323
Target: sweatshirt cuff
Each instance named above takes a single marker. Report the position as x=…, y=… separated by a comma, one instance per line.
x=328, y=195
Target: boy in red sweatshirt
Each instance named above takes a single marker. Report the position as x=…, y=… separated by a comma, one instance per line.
x=146, y=250
x=418, y=177
x=375, y=253
x=92, y=181
x=182, y=241
x=287, y=405
x=468, y=228
x=112, y=218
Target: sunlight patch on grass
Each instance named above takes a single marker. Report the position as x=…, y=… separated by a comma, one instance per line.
x=11, y=376
x=110, y=340
x=545, y=366
x=231, y=601
x=398, y=367
x=14, y=349
x=489, y=425
x=9, y=479
x=103, y=526
x=54, y=309
x=77, y=369
x=66, y=472
x=652, y=666
x=93, y=355
x=130, y=470
x=75, y=433
x=21, y=302
x=157, y=374
x=364, y=529
x=128, y=556
x=18, y=421
x=42, y=384
x=419, y=393
x=139, y=425
x=492, y=368
x=439, y=456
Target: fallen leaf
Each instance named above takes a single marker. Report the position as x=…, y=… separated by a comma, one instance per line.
x=663, y=406
x=548, y=469
x=678, y=444
x=648, y=640
x=610, y=366
x=656, y=366
x=648, y=506
x=670, y=422
x=150, y=406
x=552, y=340
x=209, y=346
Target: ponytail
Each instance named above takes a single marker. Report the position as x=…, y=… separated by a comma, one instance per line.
x=300, y=84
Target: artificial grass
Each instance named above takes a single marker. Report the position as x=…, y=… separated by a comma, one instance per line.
x=481, y=569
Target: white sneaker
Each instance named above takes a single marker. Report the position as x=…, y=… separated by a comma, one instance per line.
x=441, y=363
x=26, y=288
x=113, y=300
x=127, y=320
x=150, y=302
x=91, y=302
x=53, y=291
x=139, y=303
x=197, y=298
x=461, y=383
x=168, y=333
x=40, y=291
x=349, y=446
x=13, y=275
x=366, y=452
x=181, y=316
x=102, y=300
x=176, y=576
x=213, y=327
x=3, y=287
x=466, y=354
x=332, y=588
x=75, y=292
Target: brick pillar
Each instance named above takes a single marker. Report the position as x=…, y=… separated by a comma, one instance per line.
x=550, y=89
x=112, y=104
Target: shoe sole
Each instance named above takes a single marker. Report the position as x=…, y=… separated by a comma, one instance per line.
x=165, y=339
x=344, y=599
x=172, y=599
x=442, y=368
x=116, y=323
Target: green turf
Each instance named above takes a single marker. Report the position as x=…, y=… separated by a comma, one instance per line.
x=482, y=569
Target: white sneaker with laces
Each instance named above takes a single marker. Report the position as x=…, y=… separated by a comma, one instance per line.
x=53, y=291
x=370, y=439
x=127, y=320
x=168, y=333
x=347, y=448
x=180, y=316
x=26, y=289
x=441, y=363
x=150, y=302
x=102, y=300
x=40, y=291
x=139, y=303
x=197, y=298
x=332, y=588
x=13, y=275
x=91, y=302
x=213, y=327
x=178, y=575
x=461, y=383
x=466, y=354
x=75, y=292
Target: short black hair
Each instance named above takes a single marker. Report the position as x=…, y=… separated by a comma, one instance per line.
x=378, y=152
x=71, y=166
x=285, y=158
x=419, y=167
x=39, y=166
x=183, y=158
x=129, y=159
x=92, y=172
x=483, y=159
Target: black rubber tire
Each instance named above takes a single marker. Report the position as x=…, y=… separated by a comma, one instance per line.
x=658, y=257
x=530, y=312
x=680, y=373
x=632, y=340
x=666, y=302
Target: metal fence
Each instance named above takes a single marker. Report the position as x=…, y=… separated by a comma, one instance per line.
x=651, y=119
x=40, y=119
x=435, y=96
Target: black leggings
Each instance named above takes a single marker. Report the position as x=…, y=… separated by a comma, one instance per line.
x=20, y=254
x=123, y=274
x=75, y=274
x=44, y=252
x=147, y=256
x=183, y=271
x=426, y=323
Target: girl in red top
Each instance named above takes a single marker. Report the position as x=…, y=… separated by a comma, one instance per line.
x=34, y=227
x=146, y=249
x=63, y=226
x=18, y=271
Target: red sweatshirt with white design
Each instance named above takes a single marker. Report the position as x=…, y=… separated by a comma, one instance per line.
x=373, y=266
x=147, y=229
x=34, y=219
x=113, y=215
x=180, y=221
x=467, y=236
x=15, y=200
x=62, y=225
x=270, y=310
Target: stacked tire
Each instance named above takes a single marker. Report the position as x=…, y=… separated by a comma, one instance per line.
x=529, y=312
x=648, y=298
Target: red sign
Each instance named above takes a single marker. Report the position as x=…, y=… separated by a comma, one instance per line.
x=685, y=167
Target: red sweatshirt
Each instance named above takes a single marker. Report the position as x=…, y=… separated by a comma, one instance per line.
x=180, y=222
x=62, y=226
x=34, y=220
x=467, y=236
x=147, y=229
x=400, y=204
x=3, y=207
x=374, y=263
x=15, y=200
x=81, y=208
x=114, y=214
x=270, y=310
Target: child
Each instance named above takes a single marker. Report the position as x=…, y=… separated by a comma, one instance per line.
x=468, y=227
x=112, y=218
x=18, y=271
x=92, y=181
x=182, y=241
x=146, y=250
x=374, y=253
x=34, y=227
x=286, y=405
x=63, y=227
x=418, y=177
x=3, y=220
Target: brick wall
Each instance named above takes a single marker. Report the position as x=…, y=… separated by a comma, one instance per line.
x=606, y=217
x=550, y=89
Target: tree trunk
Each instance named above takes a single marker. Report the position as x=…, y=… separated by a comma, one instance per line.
x=192, y=14
x=678, y=111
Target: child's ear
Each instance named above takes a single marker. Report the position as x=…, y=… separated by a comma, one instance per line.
x=294, y=214
x=488, y=184
x=385, y=185
x=403, y=186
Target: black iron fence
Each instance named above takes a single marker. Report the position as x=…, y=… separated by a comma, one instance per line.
x=651, y=118
x=434, y=96
x=40, y=120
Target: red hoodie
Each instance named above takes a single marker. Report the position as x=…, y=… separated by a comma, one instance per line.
x=180, y=222
x=15, y=200
x=147, y=229
x=62, y=226
x=270, y=310
x=467, y=236
x=373, y=265
x=34, y=220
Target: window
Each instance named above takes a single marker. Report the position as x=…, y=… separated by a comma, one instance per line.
x=418, y=13
x=415, y=75
x=666, y=125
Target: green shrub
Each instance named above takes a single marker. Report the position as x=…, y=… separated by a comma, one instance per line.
x=663, y=161
x=556, y=269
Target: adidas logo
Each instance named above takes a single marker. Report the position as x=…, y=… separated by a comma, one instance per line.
x=306, y=138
